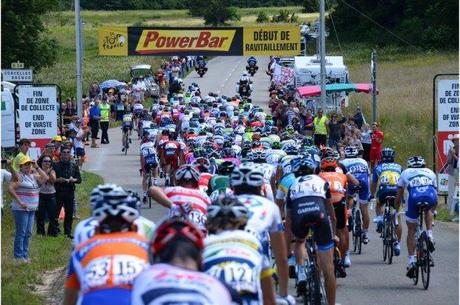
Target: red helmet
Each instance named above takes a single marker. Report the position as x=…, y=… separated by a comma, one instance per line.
x=173, y=229
x=328, y=162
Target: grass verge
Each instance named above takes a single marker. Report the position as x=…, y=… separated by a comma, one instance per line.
x=19, y=281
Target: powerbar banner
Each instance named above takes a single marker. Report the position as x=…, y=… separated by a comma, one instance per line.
x=228, y=41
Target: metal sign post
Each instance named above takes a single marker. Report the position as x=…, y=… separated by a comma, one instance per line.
x=78, y=58
x=374, y=85
x=322, y=32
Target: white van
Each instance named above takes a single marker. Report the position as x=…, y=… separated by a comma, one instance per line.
x=8, y=121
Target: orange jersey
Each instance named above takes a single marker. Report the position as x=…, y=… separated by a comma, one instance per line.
x=107, y=261
x=337, y=185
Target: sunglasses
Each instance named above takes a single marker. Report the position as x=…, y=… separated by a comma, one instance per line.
x=65, y=152
x=46, y=161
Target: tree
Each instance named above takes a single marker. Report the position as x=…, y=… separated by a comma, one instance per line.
x=23, y=33
x=214, y=12
x=262, y=17
x=311, y=6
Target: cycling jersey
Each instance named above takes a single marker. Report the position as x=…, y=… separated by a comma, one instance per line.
x=337, y=185
x=264, y=218
x=203, y=182
x=127, y=121
x=198, y=200
x=236, y=258
x=149, y=156
x=85, y=229
x=163, y=284
x=103, y=268
x=285, y=163
x=360, y=170
x=420, y=184
x=306, y=202
x=386, y=176
x=219, y=183
x=284, y=185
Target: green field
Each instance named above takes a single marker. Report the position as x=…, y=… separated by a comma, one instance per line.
x=404, y=74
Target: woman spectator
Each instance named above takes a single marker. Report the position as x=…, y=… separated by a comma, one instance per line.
x=47, y=199
x=366, y=140
x=69, y=112
x=308, y=122
x=25, y=193
x=376, y=144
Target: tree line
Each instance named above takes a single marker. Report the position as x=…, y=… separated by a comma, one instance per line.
x=424, y=24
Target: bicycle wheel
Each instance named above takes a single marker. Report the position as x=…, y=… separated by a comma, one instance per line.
x=125, y=140
x=390, y=239
x=359, y=231
x=425, y=260
x=149, y=184
x=384, y=240
x=313, y=294
x=417, y=264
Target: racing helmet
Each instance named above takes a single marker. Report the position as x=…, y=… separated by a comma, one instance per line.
x=187, y=172
x=303, y=166
x=328, y=164
x=202, y=164
x=247, y=174
x=351, y=152
x=115, y=210
x=225, y=168
x=387, y=155
x=226, y=210
x=416, y=162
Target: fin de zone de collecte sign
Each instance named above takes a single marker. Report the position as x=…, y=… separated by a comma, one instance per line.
x=225, y=41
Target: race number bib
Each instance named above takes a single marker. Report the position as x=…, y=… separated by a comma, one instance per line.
x=240, y=276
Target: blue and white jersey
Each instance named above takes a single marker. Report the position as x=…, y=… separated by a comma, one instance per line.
x=149, y=152
x=417, y=180
x=355, y=166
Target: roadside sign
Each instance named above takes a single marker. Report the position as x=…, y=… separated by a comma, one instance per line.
x=37, y=112
x=446, y=101
x=17, y=65
x=8, y=120
x=17, y=75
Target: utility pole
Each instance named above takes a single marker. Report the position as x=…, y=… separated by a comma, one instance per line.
x=322, y=33
x=78, y=58
x=374, y=85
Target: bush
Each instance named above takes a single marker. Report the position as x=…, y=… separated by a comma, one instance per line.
x=262, y=17
x=283, y=16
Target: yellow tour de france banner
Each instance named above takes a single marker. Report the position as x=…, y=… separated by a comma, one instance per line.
x=274, y=40
x=227, y=41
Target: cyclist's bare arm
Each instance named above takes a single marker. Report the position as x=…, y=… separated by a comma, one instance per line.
x=351, y=179
x=157, y=194
x=279, y=250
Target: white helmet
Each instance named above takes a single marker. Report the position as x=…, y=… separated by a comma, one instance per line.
x=247, y=174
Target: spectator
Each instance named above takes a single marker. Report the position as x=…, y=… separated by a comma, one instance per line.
x=376, y=144
x=366, y=140
x=24, y=145
x=25, y=193
x=94, y=118
x=94, y=90
x=77, y=135
x=335, y=130
x=452, y=170
x=47, y=199
x=67, y=175
x=57, y=141
x=48, y=151
x=69, y=112
x=358, y=118
x=104, y=122
x=320, y=125
x=119, y=110
x=8, y=174
x=85, y=120
x=308, y=122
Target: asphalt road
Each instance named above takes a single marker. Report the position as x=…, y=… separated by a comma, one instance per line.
x=369, y=280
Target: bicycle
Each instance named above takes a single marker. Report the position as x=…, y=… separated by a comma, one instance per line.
x=389, y=229
x=356, y=227
x=125, y=140
x=314, y=292
x=423, y=249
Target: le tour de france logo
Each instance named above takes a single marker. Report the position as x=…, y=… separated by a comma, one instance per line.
x=113, y=40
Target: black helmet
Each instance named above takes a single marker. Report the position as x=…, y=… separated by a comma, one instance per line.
x=388, y=155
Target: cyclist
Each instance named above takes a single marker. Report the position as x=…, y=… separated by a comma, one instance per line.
x=138, y=109
x=126, y=128
x=230, y=251
x=203, y=165
x=86, y=228
x=359, y=168
x=338, y=183
x=171, y=156
x=309, y=202
x=149, y=163
x=220, y=183
x=175, y=277
x=103, y=268
x=185, y=198
x=420, y=183
x=385, y=180
x=247, y=181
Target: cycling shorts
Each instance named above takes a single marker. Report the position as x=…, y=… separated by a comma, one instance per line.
x=119, y=296
x=340, y=209
x=127, y=126
x=311, y=212
x=150, y=162
x=138, y=112
x=386, y=191
x=80, y=152
x=428, y=195
x=172, y=160
x=363, y=189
